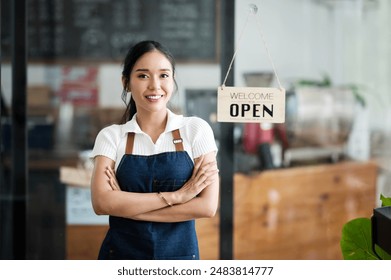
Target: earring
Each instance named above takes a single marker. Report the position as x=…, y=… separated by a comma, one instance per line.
x=123, y=94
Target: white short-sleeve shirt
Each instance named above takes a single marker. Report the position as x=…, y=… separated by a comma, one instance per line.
x=197, y=135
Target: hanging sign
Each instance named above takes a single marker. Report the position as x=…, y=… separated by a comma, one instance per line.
x=250, y=104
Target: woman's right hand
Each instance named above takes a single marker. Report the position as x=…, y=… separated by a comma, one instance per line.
x=203, y=175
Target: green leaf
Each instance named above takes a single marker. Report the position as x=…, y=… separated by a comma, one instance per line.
x=356, y=241
x=386, y=201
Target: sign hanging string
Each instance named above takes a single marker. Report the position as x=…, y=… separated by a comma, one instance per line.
x=252, y=12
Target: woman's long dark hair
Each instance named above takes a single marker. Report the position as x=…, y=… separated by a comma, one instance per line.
x=134, y=53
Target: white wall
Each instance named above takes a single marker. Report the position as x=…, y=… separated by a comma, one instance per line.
x=296, y=41
x=350, y=41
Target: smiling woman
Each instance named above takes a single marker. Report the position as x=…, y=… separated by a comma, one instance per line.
x=151, y=83
x=156, y=172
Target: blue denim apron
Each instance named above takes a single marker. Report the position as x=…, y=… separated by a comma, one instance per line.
x=141, y=240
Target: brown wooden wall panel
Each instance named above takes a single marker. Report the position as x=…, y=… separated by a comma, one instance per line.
x=208, y=238
x=298, y=213
x=83, y=241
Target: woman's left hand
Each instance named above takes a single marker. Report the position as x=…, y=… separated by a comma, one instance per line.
x=110, y=173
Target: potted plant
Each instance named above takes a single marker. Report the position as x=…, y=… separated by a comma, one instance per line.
x=356, y=240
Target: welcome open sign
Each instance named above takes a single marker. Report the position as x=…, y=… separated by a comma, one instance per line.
x=250, y=104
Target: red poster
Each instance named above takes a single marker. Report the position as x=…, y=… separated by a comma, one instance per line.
x=79, y=85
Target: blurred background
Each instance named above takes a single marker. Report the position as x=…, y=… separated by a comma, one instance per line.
x=294, y=184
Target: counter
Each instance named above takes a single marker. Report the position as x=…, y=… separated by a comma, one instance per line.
x=294, y=213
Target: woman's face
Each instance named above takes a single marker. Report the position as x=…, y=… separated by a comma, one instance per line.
x=152, y=82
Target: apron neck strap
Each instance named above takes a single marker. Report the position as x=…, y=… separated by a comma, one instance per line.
x=176, y=135
x=129, y=143
x=177, y=140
